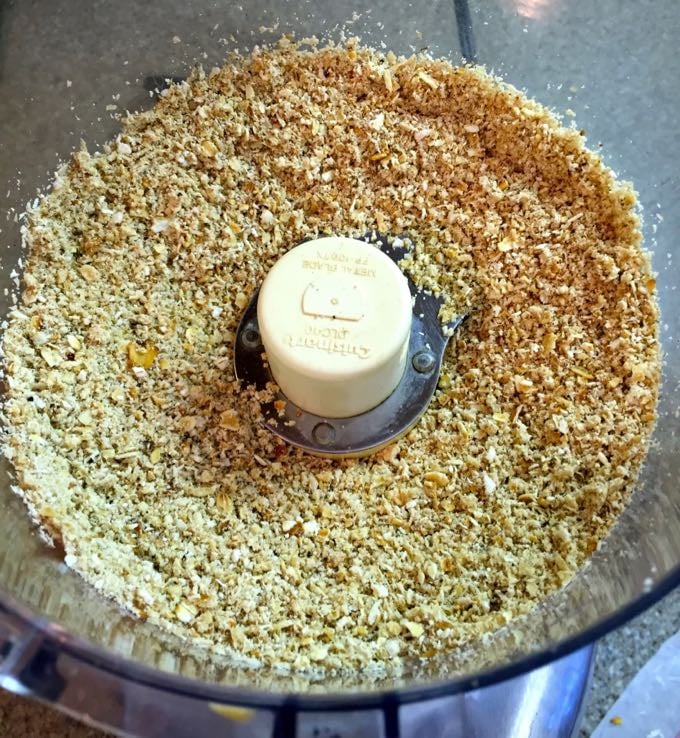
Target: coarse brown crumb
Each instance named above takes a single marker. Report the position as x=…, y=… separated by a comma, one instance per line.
x=136, y=449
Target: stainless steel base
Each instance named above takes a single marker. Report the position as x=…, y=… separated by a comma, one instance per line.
x=544, y=703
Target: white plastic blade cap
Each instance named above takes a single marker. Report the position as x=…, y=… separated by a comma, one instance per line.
x=335, y=320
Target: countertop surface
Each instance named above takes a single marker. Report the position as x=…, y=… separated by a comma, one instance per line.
x=620, y=655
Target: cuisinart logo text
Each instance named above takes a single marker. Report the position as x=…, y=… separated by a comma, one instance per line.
x=328, y=340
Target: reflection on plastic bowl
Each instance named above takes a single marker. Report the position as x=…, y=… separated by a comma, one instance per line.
x=535, y=9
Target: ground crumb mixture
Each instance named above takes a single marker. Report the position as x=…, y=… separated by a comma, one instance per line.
x=137, y=451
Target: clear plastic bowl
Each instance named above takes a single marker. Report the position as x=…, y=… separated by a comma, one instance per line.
x=614, y=64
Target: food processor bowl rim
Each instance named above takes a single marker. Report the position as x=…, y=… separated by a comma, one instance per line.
x=130, y=670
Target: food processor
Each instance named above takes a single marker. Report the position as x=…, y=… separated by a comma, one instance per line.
x=68, y=70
